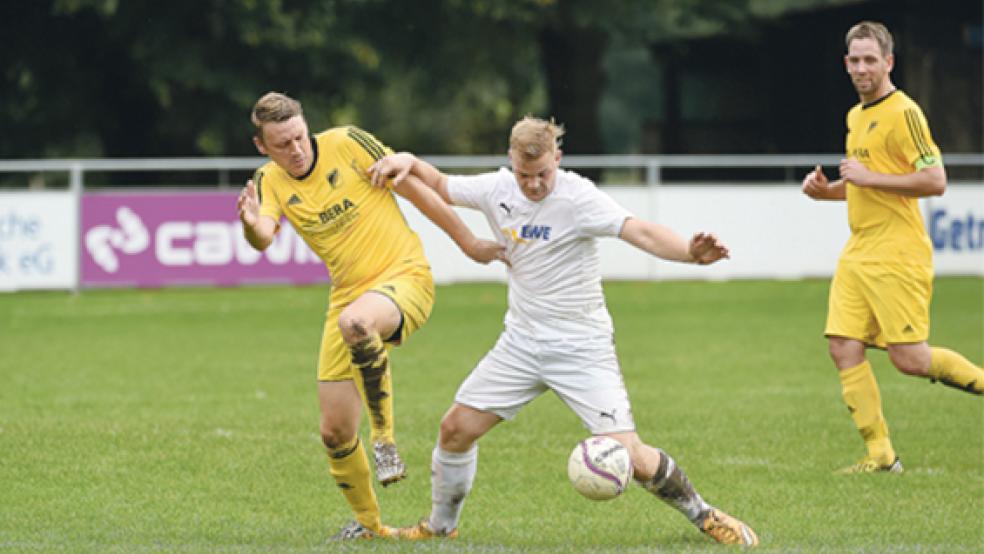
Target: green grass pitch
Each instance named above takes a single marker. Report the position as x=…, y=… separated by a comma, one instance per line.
x=185, y=420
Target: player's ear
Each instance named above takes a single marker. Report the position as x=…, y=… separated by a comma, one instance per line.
x=890, y=61
x=258, y=143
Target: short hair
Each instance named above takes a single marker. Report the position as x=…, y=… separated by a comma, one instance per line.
x=873, y=30
x=274, y=107
x=532, y=137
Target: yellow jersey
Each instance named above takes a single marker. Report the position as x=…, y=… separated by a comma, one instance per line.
x=889, y=136
x=357, y=229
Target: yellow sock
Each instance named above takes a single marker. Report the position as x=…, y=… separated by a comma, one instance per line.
x=372, y=377
x=950, y=368
x=350, y=468
x=860, y=392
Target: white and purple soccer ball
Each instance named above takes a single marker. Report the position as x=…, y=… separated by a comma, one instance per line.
x=599, y=468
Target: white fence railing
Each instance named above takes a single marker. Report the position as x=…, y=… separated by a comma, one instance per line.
x=651, y=165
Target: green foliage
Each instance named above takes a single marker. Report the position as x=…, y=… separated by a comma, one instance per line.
x=185, y=420
x=158, y=79
x=152, y=79
x=180, y=78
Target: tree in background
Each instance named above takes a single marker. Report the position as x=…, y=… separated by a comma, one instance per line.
x=132, y=79
x=106, y=78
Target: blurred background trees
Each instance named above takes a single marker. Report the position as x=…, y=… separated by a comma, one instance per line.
x=110, y=78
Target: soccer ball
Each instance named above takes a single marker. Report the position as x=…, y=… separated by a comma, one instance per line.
x=599, y=468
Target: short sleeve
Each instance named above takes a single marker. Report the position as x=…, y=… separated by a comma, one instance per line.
x=598, y=215
x=472, y=191
x=914, y=141
x=366, y=149
x=269, y=205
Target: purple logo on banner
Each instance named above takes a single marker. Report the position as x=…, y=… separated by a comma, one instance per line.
x=183, y=238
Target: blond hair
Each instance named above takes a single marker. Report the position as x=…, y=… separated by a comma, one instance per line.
x=872, y=30
x=533, y=137
x=273, y=107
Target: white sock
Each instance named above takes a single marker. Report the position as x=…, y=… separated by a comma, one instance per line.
x=452, y=475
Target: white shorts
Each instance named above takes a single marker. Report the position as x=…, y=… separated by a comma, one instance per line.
x=584, y=373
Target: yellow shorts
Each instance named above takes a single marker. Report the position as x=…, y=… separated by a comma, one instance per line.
x=413, y=293
x=880, y=303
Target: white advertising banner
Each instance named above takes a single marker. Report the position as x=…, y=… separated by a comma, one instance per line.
x=39, y=237
x=955, y=222
x=773, y=232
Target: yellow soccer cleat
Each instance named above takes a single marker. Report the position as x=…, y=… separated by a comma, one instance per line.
x=356, y=531
x=423, y=531
x=871, y=465
x=727, y=529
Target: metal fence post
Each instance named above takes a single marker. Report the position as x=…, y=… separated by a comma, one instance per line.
x=76, y=183
x=653, y=173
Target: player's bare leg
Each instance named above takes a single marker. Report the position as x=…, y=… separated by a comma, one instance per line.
x=363, y=324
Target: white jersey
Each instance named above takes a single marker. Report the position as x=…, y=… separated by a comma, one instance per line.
x=554, y=279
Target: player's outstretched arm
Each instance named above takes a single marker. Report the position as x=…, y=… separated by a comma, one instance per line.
x=663, y=242
x=403, y=164
x=439, y=211
x=817, y=187
x=258, y=229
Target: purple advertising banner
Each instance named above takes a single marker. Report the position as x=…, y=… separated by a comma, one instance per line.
x=156, y=239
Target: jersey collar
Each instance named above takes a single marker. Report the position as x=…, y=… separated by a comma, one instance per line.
x=878, y=101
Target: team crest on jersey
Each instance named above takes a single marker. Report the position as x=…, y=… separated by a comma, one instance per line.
x=333, y=178
x=872, y=126
x=527, y=233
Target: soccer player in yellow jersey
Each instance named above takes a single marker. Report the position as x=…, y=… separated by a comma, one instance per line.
x=382, y=289
x=881, y=290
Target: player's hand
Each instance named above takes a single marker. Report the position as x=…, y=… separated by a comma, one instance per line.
x=815, y=184
x=395, y=166
x=854, y=171
x=248, y=205
x=705, y=249
x=486, y=251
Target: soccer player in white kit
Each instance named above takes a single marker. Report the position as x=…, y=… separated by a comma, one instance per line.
x=558, y=332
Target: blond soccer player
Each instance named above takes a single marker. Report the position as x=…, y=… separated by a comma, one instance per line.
x=881, y=290
x=558, y=333
x=382, y=289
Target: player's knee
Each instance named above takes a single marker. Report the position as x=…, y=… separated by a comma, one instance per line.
x=354, y=327
x=454, y=436
x=335, y=437
x=910, y=362
x=845, y=353
x=449, y=430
